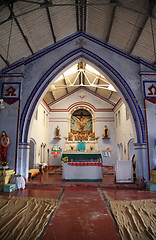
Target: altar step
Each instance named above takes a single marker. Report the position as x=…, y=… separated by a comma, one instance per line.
x=52, y=178
x=79, y=185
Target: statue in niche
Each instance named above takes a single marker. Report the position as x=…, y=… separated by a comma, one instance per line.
x=58, y=132
x=105, y=132
x=4, y=143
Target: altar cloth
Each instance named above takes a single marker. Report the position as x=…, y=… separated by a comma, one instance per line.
x=83, y=164
x=83, y=156
x=82, y=173
x=81, y=146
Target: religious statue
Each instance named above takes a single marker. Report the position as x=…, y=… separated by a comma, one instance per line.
x=105, y=132
x=57, y=131
x=4, y=143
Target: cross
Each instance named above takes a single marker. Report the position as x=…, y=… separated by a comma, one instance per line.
x=81, y=42
x=82, y=94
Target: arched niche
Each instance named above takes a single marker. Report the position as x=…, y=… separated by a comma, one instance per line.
x=32, y=155
x=81, y=123
x=131, y=148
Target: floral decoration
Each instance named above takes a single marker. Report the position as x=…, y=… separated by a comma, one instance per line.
x=4, y=164
x=65, y=159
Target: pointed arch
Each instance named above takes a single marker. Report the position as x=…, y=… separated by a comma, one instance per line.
x=101, y=64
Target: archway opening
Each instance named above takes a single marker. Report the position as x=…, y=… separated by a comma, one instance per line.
x=83, y=95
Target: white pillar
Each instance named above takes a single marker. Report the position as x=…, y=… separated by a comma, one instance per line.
x=141, y=161
x=23, y=159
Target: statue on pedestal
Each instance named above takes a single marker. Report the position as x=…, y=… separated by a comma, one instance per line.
x=105, y=132
x=4, y=143
x=57, y=131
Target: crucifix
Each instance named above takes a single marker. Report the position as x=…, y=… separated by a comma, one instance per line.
x=81, y=43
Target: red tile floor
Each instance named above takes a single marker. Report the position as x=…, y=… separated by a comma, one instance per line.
x=53, y=178
x=82, y=211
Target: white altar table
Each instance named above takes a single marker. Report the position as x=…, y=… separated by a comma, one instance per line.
x=82, y=171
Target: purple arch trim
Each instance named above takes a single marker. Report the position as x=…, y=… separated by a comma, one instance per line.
x=106, y=68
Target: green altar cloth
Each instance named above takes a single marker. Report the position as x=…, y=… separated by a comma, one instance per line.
x=81, y=155
x=81, y=146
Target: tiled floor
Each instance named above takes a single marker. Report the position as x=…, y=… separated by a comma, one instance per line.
x=128, y=194
x=55, y=180
x=82, y=215
x=82, y=212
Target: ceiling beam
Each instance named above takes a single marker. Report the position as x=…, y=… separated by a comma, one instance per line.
x=20, y=29
x=6, y=2
x=111, y=23
x=50, y=23
x=81, y=15
x=97, y=84
x=80, y=78
x=5, y=61
x=52, y=95
x=139, y=34
x=110, y=95
x=49, y=4
x=65, y=85
x=83, y=78
x=85, y=15
x=81, y=12
x=77, y=15
x=150, y=13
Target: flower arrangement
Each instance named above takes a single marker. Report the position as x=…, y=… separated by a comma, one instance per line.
x=65, y=159
x=4, y=164
x=71, y=147
x=97, y=138
x=66, y=138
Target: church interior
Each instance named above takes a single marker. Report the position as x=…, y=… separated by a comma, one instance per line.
x=77, y=117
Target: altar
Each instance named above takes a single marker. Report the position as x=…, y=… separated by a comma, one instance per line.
x=82, y=171
x=81, y=158
x=82, y=166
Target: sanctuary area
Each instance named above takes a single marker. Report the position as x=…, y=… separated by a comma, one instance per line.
x=79, y=111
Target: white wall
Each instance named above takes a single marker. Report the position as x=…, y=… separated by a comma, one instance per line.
x=103, y=116
x=124, y=131
x=120, y=132
x=39, y=133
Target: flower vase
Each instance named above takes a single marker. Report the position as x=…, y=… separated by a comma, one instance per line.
x=4, y=171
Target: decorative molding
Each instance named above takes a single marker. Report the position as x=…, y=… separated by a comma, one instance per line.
x=12, y=75
x=11, y=90
x=147, y=73
x=45, y=108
